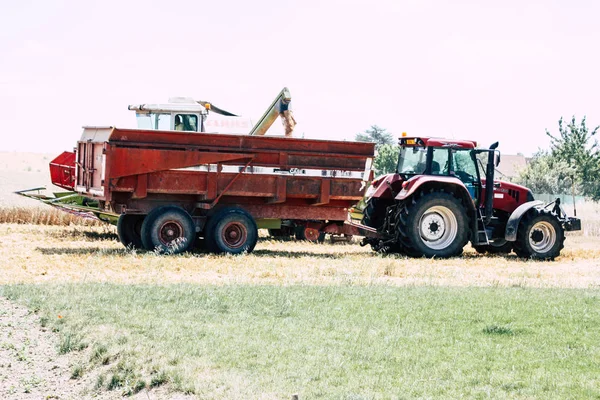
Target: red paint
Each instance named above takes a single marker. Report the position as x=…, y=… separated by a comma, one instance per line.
x=62, y=170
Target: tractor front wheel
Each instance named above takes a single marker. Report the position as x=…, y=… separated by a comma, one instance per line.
x=540, y=236
x=434, y=224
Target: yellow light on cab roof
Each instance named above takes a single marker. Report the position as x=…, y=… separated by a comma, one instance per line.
x=404, y=134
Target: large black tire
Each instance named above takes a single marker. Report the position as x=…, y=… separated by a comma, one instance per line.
x=301, y=234
x=497, y=246
x=231, y=230
x=540, y=236
x=433, y=224
x=168, y=229
x=129, y=229
x=373, y=216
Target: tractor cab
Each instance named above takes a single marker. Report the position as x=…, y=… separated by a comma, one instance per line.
x=431, y=156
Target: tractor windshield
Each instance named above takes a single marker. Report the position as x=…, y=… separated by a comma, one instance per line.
x=413, y=160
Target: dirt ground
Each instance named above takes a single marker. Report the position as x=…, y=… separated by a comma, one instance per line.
x=32, y=368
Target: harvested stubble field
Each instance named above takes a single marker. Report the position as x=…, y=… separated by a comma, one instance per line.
x=323, y=321
x=60, y=254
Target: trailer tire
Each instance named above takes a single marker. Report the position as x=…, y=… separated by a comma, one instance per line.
x=434, y=224
x=303, y=233
x=129, y=230
x=231, y=230
x=168, y=229
x=539, y=236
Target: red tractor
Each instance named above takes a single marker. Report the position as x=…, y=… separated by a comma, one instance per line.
x=439, y=199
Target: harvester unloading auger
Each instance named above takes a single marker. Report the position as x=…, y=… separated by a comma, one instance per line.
x=279, y=107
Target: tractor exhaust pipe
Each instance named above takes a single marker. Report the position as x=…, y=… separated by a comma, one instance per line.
x=489, y=185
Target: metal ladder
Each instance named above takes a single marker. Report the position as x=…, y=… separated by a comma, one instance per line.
x=482, y=236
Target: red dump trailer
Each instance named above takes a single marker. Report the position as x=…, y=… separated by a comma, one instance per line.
x=175, y=190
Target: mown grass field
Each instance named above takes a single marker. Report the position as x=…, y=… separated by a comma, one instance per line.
x=330, y=342
x=323, y=321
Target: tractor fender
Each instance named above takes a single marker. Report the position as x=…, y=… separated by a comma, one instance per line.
x=515, y=218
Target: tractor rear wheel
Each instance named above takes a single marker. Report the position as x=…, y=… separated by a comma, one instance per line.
x=434, y=224
x=129, y=229
x=540, y=236
x=497, y=246
x=373, y=214
x=168, y=229
x=231, y=230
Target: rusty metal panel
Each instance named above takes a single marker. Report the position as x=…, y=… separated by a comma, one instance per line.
x=271, y=177
x=150, y=160
x=245, y=143
x=209, y=185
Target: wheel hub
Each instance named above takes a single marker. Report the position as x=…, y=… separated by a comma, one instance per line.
x=542, y=236
x=170, y=231
x=432, y=226
x=438, y=227
x=234, y=235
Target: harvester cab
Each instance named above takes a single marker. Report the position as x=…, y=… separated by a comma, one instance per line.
x=442, y=196
x=179, y=114
x=188, y=115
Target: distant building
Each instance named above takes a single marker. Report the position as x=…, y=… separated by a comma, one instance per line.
x=511, y=165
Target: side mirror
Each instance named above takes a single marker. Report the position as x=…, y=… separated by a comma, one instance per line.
x=498, y=158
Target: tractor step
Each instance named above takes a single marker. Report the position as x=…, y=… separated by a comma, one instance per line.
x=482, y=236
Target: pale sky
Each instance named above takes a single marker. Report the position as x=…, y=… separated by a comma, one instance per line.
x=481, y=70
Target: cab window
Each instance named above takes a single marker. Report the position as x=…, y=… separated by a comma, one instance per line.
x=439, y=161
x=163, y=122
x=464, y=166
x=186, y=122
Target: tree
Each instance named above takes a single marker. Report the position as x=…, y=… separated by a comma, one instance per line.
x=576, y=146
x=376, y=135
x=546, y=174
x=386, y=160
x=386, y=152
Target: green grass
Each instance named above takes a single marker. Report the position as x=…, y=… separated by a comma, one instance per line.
x=330, y=342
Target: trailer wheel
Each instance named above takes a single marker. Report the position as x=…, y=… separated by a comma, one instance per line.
x=540, y=236
x=168, y=229
x=231, y=230
x=498, y=246
x=434, y=224
x=129, y=229
x=309, y=234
